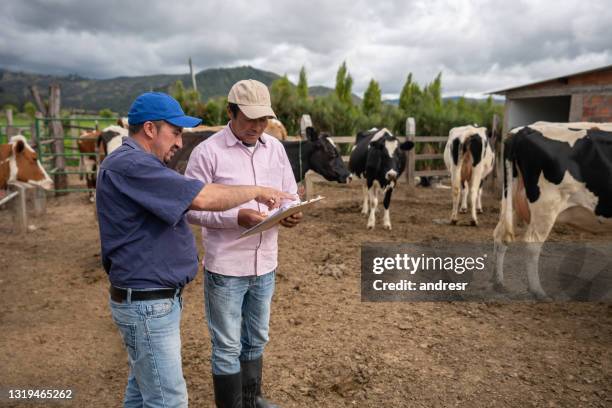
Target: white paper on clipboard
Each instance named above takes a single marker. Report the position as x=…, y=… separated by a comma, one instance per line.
x=279, y=214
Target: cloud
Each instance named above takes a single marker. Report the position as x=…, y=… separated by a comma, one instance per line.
x=477, y=45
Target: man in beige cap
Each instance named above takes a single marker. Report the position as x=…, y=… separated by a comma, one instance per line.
x=239, y=272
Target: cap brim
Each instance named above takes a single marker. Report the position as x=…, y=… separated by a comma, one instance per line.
x=184, y=121
x=256, y=111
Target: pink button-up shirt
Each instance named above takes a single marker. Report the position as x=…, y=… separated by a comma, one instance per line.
x=223, y=159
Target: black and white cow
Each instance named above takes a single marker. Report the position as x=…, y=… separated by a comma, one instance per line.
x=317, y=153
x=553, y=172
x=469, y=158
x=379, y=158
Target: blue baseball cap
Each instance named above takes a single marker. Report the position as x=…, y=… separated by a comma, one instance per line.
x=159, y=106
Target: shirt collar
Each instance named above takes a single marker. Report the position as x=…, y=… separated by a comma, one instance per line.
x=132, y=143
x=231, y=139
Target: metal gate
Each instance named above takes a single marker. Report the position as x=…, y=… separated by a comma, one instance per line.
x=58, y=149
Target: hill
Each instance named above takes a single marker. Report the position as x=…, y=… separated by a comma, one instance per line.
x=118, y=93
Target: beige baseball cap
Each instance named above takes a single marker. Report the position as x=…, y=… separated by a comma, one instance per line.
x=252, y=97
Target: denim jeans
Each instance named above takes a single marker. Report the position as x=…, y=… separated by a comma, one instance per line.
x=238, y=315
x=151, y=334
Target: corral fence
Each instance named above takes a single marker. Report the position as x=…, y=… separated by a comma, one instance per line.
x=413, y=156
x=56, y=141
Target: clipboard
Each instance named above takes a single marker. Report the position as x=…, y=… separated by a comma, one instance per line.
x=279, y=214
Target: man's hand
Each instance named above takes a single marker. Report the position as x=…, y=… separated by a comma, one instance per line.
x=292, y=220
x=272, y=198
x=248, y=218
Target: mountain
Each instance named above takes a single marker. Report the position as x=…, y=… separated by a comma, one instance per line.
x=118, y=93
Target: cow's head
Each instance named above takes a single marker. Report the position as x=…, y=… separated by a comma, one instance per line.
x=325, y=158
x=386, y=155
x=25, y=166
x=110, y=138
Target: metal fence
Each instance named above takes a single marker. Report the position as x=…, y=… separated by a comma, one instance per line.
x=56, y=143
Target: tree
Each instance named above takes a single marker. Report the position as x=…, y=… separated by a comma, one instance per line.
x=30, y=109
x=344, y=85
x=302, y=86
x=372, y=99
x=188, y=99
x=410, y=96
x=285, y=103
x=106, y=113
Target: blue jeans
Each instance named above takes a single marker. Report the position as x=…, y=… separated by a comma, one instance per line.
x=238, y=315
x=151, y=334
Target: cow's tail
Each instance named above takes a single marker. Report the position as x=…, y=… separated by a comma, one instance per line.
x=514, y=199
x=467, y=157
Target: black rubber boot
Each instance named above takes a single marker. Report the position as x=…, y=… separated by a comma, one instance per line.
x=251, y=385
x=228, y=390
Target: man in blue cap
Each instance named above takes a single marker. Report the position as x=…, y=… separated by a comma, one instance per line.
x=148, y=249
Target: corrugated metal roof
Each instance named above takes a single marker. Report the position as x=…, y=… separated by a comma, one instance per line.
x=505, y=90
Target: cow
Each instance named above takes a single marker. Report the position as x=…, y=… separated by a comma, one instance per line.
x=469, y=158
x=19, y=162
x=317, y=153
x=379, y=158
x=553, y=172
x=123, y=122
x=276, y=128
x=96, y=145
x=191, y=138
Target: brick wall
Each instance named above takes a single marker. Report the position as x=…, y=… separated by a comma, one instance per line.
x=597, y=108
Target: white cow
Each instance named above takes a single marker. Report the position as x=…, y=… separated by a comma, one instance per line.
x=469, y=158
x=554, y=172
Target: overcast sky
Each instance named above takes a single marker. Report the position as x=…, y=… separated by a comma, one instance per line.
x=478, y=45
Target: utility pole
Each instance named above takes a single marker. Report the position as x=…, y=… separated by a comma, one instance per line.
x=193, y=78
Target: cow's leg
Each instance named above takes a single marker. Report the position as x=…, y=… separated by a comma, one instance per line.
x=475, y=191
x=456, y=190
x=504, y=231
x=386, y=204
x=465, y=188
x=543, y=216
x=536, y=234
x=90, y=178
x=373, y=195
x=479, y=203
x=364, y=208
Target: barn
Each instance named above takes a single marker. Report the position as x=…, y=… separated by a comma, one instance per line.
x=582, y=96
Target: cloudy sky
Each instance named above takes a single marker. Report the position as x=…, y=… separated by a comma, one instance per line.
x=478, y=45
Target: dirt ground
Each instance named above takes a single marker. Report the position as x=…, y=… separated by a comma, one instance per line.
x=327, y=348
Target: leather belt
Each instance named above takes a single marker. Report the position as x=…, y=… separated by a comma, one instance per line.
x=120, y=295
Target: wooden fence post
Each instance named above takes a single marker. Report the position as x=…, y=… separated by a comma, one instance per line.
x=19, y=206
x=35, y=128
x=305, y=121
x=492, y=182
x=10, y=129
x=57, y=133
x=410, y=135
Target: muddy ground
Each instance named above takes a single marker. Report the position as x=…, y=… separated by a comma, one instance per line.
x=327, y=348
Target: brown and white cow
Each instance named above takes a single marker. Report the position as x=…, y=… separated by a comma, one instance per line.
x=469, y=158
x=276, y=128
x=98, y=144
x=554, y=172
x=19, y=162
